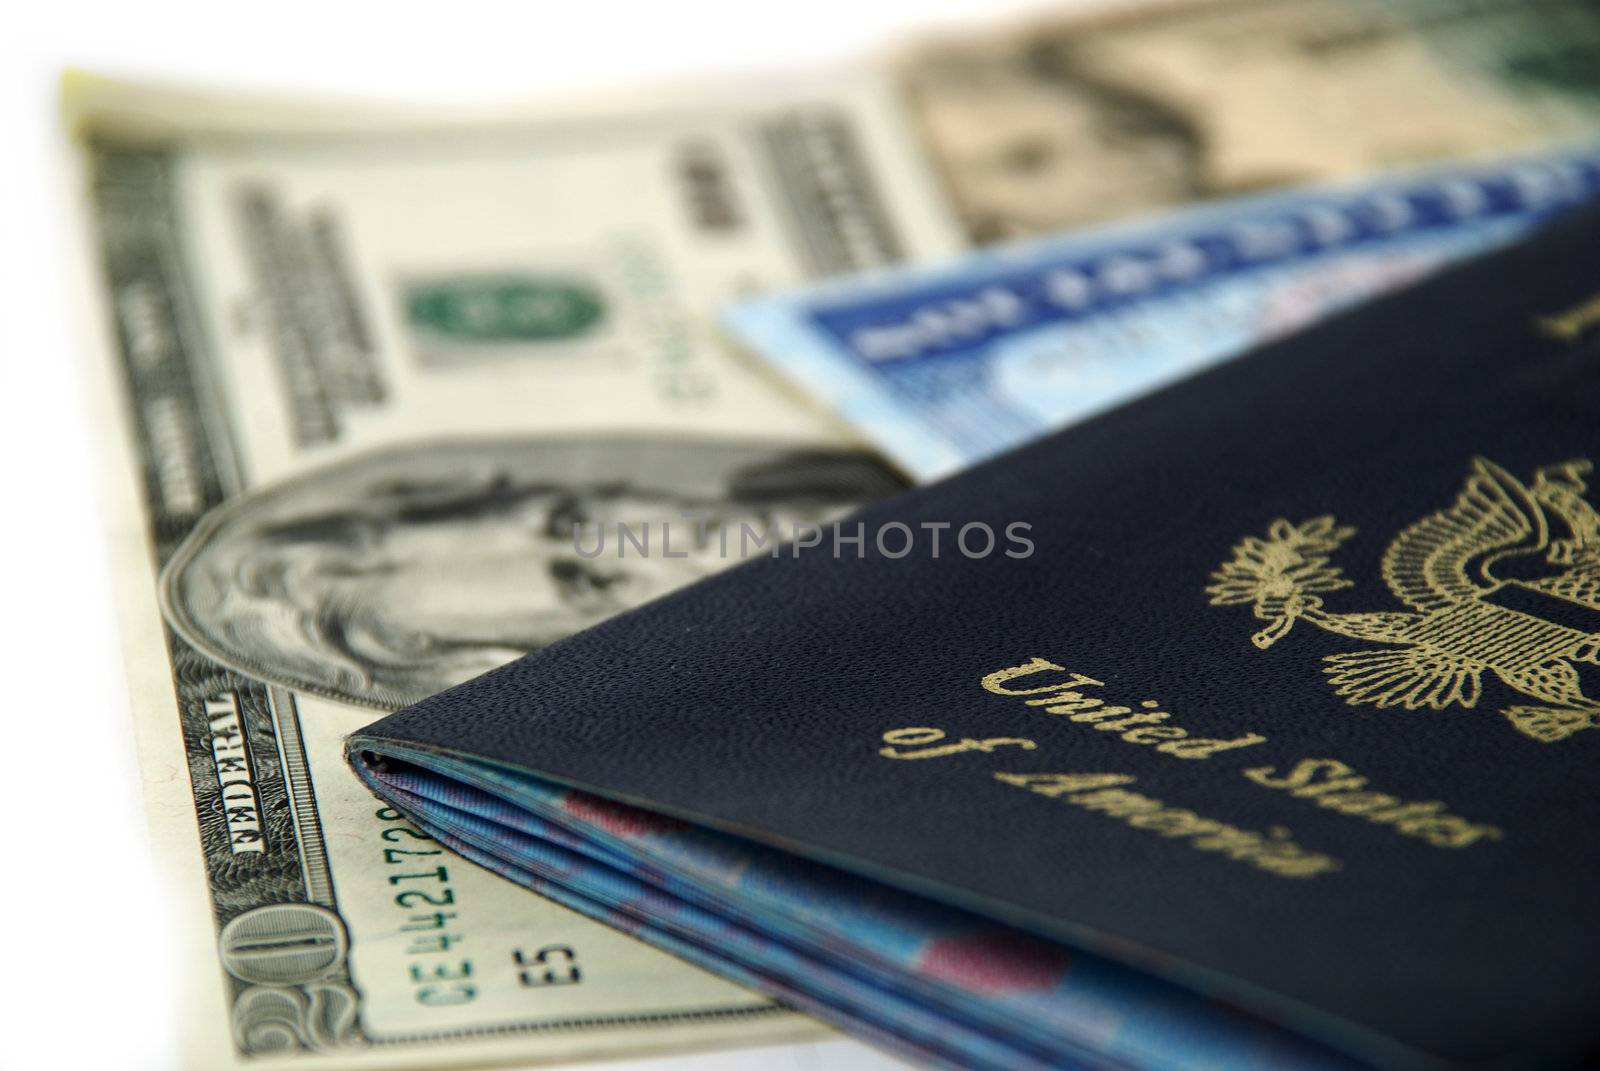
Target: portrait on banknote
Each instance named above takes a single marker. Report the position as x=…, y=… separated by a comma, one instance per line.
x=1016, y=131
x=1076, y=120
x=382, y=580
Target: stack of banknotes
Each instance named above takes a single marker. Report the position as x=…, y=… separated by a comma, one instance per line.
x=374, y=381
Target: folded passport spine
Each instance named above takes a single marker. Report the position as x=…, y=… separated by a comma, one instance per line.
x=1273, y=750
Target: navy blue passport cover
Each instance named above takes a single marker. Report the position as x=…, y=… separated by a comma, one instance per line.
x=1305, y=653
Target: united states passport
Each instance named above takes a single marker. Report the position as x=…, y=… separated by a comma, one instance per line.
x=1260, y=731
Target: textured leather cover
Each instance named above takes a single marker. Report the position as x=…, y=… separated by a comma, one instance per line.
x=1395, y=699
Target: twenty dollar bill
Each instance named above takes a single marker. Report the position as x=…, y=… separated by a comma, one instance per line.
x=364, y=373
x=1076, y=120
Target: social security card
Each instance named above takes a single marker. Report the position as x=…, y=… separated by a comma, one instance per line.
x=946, y=365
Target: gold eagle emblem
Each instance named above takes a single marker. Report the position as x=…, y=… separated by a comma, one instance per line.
x=1498, y=583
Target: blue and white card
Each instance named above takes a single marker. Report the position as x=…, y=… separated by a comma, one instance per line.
x=946, y=365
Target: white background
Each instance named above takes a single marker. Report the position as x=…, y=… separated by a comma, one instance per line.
x=87, y=979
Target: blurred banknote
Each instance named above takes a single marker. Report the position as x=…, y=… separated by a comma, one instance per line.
x=944, y=366
x=1079, y=120
x=361, y=374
